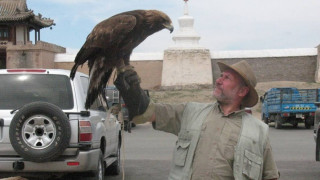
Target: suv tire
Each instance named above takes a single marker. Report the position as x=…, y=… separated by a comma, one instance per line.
x=114, y=168
x=100, y=172
x=40, y=132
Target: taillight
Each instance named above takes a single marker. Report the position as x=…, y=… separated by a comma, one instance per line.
x=73, y=163
x=286, y=114
x=85, y=131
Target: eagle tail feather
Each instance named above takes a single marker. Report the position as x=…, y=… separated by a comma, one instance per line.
x=94, y=91
x=73, y=71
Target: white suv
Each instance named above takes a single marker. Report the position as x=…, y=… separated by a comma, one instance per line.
x=44, y=126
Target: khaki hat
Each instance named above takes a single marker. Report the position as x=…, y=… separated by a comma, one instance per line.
x=245, y=71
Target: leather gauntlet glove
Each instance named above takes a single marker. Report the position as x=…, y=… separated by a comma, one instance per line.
x=128, y=83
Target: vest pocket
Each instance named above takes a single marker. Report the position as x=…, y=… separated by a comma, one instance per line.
x=180, y=154
x=251, y=165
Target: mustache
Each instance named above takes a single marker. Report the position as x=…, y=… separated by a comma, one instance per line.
x=218, y=86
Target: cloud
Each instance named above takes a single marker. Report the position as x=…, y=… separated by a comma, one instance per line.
x=222, y=25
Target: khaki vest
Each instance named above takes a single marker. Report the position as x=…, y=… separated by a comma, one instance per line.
x=248, y=156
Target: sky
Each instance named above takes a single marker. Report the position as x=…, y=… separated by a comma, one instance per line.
x=223, y=25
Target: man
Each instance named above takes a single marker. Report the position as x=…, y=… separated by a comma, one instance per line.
x=215, y=141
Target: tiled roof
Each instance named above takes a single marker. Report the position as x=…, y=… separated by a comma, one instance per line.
x=16, y=10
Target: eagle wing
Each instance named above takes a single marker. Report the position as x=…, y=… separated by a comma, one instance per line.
x=105, y=37
x=111, y=31
x=108, y=34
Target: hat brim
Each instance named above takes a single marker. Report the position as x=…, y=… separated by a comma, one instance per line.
x=252, y=97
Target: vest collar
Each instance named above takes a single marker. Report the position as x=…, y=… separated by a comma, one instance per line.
x=234, y=113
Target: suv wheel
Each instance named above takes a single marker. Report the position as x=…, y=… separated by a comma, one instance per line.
x=100, y=172
x=114, y=168
x=40, y=132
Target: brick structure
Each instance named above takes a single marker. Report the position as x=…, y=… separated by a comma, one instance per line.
x=273, y=65
x=186, y=67
x=269, y=65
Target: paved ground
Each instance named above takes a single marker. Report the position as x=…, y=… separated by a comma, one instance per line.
x=148, y=154
x=294, y=151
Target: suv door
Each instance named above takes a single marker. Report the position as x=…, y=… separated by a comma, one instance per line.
x=103, y=123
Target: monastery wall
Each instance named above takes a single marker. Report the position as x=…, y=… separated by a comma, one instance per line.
x=273, y=65
x=268, y=65
x=148, y=66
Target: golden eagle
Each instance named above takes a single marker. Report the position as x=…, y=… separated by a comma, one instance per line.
x=111, y=42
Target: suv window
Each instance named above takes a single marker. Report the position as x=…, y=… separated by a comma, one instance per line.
x=17, y=90
x=85, y=84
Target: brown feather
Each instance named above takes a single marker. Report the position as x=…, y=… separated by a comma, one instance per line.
x=111, y=43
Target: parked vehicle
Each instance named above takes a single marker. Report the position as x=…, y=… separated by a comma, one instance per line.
x=316, y=131
x=289, y=105
x=114, y=98
x=44, y=126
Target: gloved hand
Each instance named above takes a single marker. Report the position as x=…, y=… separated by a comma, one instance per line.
x=128, y=83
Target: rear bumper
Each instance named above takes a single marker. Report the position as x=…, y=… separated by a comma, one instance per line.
x=87, y=162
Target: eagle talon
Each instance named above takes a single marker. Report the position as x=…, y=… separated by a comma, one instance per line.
x=122, y=69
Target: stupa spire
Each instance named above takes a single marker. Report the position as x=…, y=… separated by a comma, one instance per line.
x=186, y=11
x=186, y=37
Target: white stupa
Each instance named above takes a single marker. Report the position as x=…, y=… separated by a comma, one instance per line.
x=186, y=64
x=186, y=37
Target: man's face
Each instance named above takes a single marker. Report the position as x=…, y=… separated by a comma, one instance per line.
x=228, y=87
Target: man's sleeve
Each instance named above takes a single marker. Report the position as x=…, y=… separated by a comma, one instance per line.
x=169, y=117
x=270, y=170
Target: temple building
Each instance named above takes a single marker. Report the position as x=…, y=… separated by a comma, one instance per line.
x=16, y=48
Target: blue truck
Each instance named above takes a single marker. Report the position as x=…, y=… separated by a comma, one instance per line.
x=289, y=105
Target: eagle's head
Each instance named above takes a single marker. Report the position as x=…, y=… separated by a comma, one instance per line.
x=158, y=20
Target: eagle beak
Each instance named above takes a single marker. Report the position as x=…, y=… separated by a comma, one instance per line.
x=169, y=27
